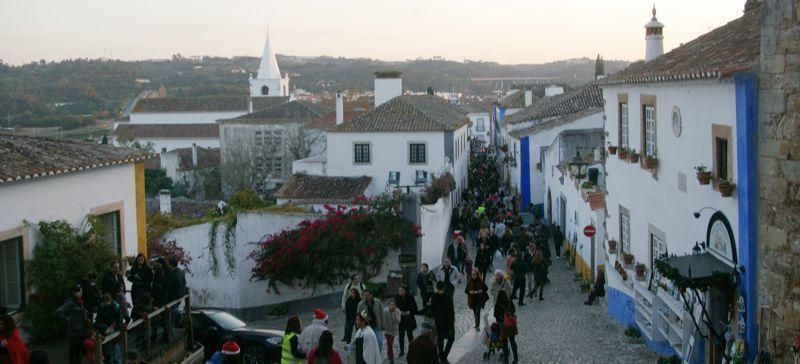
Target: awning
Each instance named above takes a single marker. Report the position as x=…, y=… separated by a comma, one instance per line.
x=696, y=271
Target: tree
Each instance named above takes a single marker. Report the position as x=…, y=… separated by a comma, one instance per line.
x=239, y=170
x=156, y=180
x=301, y=142
x=430, y=90
x=599, y=67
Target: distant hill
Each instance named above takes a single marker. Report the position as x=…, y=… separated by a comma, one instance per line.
x=73, y=93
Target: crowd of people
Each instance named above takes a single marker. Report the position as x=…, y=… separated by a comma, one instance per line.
x=100, y=308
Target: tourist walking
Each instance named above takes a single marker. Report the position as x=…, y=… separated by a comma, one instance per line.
x=426, y=283
x=422, y=349
x=391, y=326
x=373, y=307
x=444, y=320
x=505, y=315
x=558, y=239
x=539, y=272
x=483, y=259
x=519, y=268
x=78, y=324
x=309, y=338
x=528, y=258
x=290, y=348
x=408, y=322
x=12, y=348
x=477, y=295
x=323, y=353
x=599, y=289
x=355, y=283
x=364, y=346
x=350, y=312
x=450, y=276
x=499, y=284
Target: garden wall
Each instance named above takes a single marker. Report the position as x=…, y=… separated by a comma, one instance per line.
x=435, y=224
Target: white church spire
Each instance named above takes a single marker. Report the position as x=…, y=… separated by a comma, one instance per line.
x=269, y=64
x=268, y=80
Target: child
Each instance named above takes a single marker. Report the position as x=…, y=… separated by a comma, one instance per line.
x=89, y=345
x=391, y=322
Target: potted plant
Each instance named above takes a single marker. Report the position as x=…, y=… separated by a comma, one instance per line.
x=612, y=245
x=627, y=258
x=539, y=166
x=612, y=149
x=633, y=157
x=622, y=153
x=703, y=176
x=587, y=185
x=651, y=161
x=726, y=187
x=639, y=270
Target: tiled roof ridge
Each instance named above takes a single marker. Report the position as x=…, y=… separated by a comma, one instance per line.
x=584, y=98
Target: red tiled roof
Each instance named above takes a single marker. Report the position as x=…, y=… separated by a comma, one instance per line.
x=302, y=188
x=205, y=104
x=206, y=158
x=408, y=113
x=584, y=98
x=202, y=130
x=328, y=120
x=23, y=158
x=731, y=48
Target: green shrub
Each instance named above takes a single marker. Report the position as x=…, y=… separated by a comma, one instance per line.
x=246, y=200
x=60, y=259
x=378, y=289
x=672, y=359
x=633, y=332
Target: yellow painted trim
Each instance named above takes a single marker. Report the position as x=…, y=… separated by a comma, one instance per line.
x=581, y=266
x=141, y=209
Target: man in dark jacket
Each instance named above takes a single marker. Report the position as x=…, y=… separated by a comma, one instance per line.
x=109, y=320
x=519, y=268
x=483, y=260
x=426, y=282
x=77, y=324
x=444, y=318
x=114, y=284
x=175, y=287
x=558, y=239
x=90, y=292
x=422, y=349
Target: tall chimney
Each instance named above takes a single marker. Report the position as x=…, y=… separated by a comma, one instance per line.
x=654, y=38
x=388, y=85
x=339, y=108
x=194, y=154
x=528, y=97
x=165, y=201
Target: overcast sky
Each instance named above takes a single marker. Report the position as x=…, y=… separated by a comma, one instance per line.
x=508, y=31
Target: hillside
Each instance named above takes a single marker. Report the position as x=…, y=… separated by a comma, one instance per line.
x=73, y=93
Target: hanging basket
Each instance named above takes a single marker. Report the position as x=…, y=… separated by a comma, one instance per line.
x=612, y=149
x=704, y=177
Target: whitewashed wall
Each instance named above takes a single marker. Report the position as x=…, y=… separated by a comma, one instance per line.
x=474, y=132
x=71, y=197
x=182, y=117
x=175, y=143
x=435, y=225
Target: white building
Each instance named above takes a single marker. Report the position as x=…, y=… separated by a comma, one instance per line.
x=46, y=180
x=190, y=167
x=687, y=108
x=480, y=121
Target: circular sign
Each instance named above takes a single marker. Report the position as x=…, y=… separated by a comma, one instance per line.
x=589, y=231
x=676, y=121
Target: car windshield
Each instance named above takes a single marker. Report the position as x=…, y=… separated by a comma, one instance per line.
x=226, y=320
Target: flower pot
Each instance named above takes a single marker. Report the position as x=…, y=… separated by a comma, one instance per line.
x=650, y=163
x=704, y=177
x=627, y=258
x=633, y=157
x=612, y=245
x=639, y=271
x=622, y=154
x=612, y=149
x=726, y=189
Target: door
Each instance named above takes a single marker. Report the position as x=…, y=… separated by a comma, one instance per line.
x=550, y=207
x=11, y=274
x=563, y=212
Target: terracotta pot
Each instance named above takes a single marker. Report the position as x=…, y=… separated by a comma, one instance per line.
x=639, y=271
x=633, y=157
x=704, y=177
x=623, y=154
x=612, y=149
x=628, y=258
x=612, y=245
x=650, y=162
x=726, y=189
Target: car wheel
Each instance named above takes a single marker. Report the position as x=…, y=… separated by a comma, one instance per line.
x=254, y=354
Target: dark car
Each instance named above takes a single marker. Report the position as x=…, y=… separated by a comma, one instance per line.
x=259, y=346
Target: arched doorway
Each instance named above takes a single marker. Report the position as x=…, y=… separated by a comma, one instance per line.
x=264, y=90
x=550, y=207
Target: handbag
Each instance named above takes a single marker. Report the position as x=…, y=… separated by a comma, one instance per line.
x=509, y=321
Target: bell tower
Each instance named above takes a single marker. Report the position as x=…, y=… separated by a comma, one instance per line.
x=268, y=80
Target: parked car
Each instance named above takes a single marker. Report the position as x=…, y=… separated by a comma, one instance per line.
x=259, y=346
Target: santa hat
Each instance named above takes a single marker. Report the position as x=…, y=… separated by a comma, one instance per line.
x=320, y=315
x=457, y=233
x=230, y=348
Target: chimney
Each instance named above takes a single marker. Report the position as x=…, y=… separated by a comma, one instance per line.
x=528, y=97
x=654, y=38
x=339, y=108
x=249, y=104
x=194, y=154
x=388, y=85
x=165, y=201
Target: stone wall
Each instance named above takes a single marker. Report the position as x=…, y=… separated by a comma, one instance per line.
x=779, y=170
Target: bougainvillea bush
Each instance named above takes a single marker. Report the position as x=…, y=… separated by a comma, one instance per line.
x=328, y=250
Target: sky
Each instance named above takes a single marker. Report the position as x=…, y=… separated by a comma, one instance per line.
x=504, y=31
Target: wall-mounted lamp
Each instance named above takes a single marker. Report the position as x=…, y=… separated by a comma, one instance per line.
x=697, y=213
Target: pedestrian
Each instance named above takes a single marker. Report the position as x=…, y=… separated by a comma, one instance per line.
x=519, y=268
x=455, y=251
x=539, y=272
x=426, y=282
x=159, y=284
x=175, y=287
x=364, y=346
x=391, y=326
x=39, y=357
x=91, y=294
x=599, y=289
x=291, y=353
x=483, y=259
x=422, y=349
x=374, y=309
x=505, y=315
x=408, y=322
x=558, y=239
x=229, y=346
x=113, y=284
x=12, y=348
x=89, y=345
x=109, y=320
x=477, y=295
x=449, y=276
x=143, y=307
x=499, y=284
x=77, y=324
x=355, y=283
x=309, y=338
x=141, y=277
x=528, y=258
x=350, y=312
x=323, y=353
x=444, y=319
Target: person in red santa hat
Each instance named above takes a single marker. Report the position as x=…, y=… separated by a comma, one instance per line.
x=227, y=354
x=309, y=338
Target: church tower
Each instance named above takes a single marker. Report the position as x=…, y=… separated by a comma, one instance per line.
x=268, y=80
x=654, y=38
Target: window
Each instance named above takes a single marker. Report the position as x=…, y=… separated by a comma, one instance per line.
x=625, y=229
x=480, y=125
x=650, y=130
x=111, y=224
x=721, y=136
x=11, y=277
x=264, y=90
x=657, y=249
x=623, y=125
x=361, y=151
x=721, y=160
x=416, y=153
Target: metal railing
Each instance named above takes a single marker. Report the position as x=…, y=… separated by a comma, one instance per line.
x=163, y=330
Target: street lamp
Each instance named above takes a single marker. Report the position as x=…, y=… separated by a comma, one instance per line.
x=578, y=166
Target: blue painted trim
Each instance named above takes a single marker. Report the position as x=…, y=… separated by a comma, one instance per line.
x=525, y=172
x=747, y=187
x=620, y=306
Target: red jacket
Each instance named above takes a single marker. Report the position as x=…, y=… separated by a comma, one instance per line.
x=17, y=352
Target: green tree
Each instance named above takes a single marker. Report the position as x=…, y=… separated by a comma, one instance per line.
x=156, y=180
x=599, y=67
